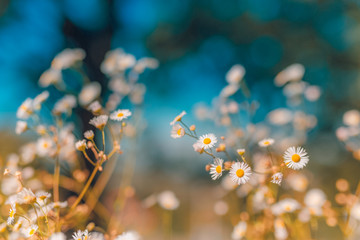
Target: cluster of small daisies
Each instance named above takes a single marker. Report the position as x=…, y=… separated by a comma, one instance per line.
x=35, y=214
x=257, y=168
x=240, y=170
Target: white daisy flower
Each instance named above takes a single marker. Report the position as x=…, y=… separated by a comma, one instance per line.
x=168, y=200
x=130, y=235
x=89, y=135
x=355, y=211
x=67, y=58
x=77, y=235
x=25, y=109
x=177, y=131
x=58, y=236
x=99, y=121
x=277, y=178
x=39, y=99
x=315, y=198
x=207, y=141
x=197, y=147
x=216, y=168
x=12, y=213
x=30, y=230
x=65, y=104
x=95, y=107
x=120, y=115
x=42, y=195
x=266, y=142
x=296, y=158
x=2, y=227
x=89, y=93
x=239, y=231
x=240, y=172
x=21, y=126
x=286, y=205
x=41, y=130
x=235, y=74
x=280, y=229
x=25, y=196
x=81, y=145
x=240, y=151
x=178, y=118
x=44, y=146
x=49, y=77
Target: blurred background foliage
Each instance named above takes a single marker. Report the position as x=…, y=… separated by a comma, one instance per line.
x=196, y=42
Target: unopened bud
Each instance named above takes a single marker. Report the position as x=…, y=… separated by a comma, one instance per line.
x=192, y=128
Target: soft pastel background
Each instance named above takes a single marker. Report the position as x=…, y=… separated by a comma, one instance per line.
x=196, y=43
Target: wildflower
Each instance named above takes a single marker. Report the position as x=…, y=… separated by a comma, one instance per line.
x=31, y=230
x=26, y=196
x=178, y=118
x=286, y=205
x=12, y=213
x=21, y=126
x=240, y=173
x=41, y=130
x=235, y=74
x=44, y=146
x=130, y=235
x=78, y=235
x=177, y=131
x=120, y=115
x=280, y=116
x=2, y=227
x=197, y=147
x=28, y=153
x=168, y=200
x=86, y=234
x=81, y=145
x=58, y=236
x=99, y=121
x=221, y=208
x=239, y=231
x=67, y=58
x=280, y=229
x=315, y=198
x=95, y=107
x=117, y=61
x=352, y=118
x=296, y=158
x=89, y=93
x=39, y=99
x=216, y=168
x=42, y=195
x=266, y=142
x=277, y=178
x=207, y=141
x=298, y=182
x=293, y=72
x=89, y=135
x=312, y=93
x=25, y=109
x=50, y=77
x=241, y=151
x=355, y=211
x=65, y=104
x=144, y=63
x=229, y=90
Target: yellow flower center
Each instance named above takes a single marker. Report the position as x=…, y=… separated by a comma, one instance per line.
x=218, y=169
x=179, y=131
x=287, y=208
x=207, y=141
x=32, y=231
x=295, y=158
x=120, y=114
x=240, y=173
x=266, y=143
x=45, y=145
x=12, y=213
